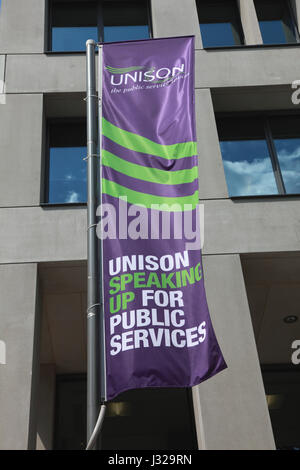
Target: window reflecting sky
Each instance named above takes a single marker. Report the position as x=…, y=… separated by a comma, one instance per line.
x=275, y=32
x=72, y=38
x=125, y=33
x=67, y=175
x=248, y=168
x=217, y=34
x=288, y=151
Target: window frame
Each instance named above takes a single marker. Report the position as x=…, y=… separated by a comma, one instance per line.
x=269, y=138
x=45, y=193
x=100, y=24
x=240, y=31
x=295, y=27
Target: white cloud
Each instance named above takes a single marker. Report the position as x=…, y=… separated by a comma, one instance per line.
x=72, y=197
x=290, y=168
x=256, y=177
x=283, y=154
x=250, y=178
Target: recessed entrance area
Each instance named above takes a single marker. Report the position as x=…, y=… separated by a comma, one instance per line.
x=273, y=289
x=137, y=419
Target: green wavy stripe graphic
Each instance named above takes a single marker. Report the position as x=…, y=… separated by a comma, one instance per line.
x=152, y=175
x=116, y=70
x=143, y=145
x=170, y=204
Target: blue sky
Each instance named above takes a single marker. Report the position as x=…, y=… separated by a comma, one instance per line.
x=67, y=174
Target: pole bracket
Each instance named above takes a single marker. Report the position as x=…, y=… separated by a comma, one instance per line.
x=92, y=314
x=91, y=226
x=91, y=96
x=92, y=155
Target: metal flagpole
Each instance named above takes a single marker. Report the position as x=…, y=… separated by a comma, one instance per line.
x=93, y=371
x=101, y=278
x=96, y=377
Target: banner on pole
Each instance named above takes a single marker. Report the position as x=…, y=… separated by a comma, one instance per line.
x=158, y=331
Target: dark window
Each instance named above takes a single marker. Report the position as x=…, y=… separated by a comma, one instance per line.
x=276, y=21
x=66, y=165
x=220, y=23
x=138, y=419
x=125, y=21
x=73, y=22
x=261, y=155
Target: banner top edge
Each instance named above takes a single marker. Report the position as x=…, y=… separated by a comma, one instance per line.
x=143, y=40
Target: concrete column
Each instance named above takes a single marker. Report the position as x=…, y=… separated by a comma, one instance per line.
x=250, y=22
x=212, y=182
x=22, y=26
x=46, y=403
x=176, y=18
x=21, y=149
x=19, y=329
x=231, y=409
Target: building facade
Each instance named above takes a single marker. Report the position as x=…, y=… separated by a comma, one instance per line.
x=247, y=58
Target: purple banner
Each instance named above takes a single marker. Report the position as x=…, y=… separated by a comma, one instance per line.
x=158, y=331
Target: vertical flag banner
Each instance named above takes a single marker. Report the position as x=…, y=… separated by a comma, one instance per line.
x=158, y=331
